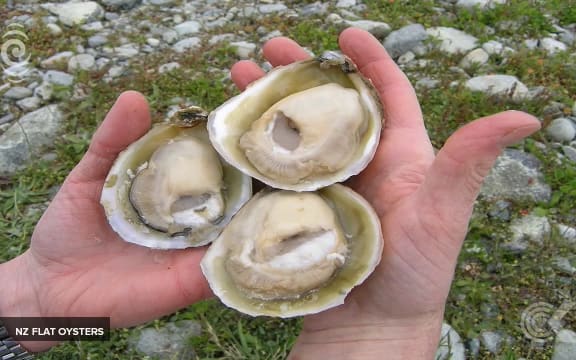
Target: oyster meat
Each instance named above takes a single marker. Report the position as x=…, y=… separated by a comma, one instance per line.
x=302, y=126
x=289, y=254
x=171, y=190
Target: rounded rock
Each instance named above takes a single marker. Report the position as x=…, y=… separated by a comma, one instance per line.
x=474, y=58
x=83, y=62
x=17, y=93
x=561, y=130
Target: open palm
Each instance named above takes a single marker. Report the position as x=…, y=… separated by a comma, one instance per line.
x=424, y=201
x=78, y=264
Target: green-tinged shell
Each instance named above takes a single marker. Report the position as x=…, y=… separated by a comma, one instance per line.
x=131, y=223
x=230, y=122
x=363, y=237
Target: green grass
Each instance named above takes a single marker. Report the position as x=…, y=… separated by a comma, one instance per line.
x=226, y=335
x=487, y=275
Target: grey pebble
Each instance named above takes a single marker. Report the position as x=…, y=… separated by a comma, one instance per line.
x=17, y=93
x=58, y=78
x=561, y=130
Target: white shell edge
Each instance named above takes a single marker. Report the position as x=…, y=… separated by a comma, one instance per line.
x=218, y=135
x=132, y=233
x=218, y=249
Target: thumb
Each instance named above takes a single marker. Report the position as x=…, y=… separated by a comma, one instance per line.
x=127, y=121
x=453, y=181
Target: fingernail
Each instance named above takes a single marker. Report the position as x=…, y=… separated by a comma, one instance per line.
x=516, y=135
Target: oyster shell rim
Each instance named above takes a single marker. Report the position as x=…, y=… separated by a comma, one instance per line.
x=257, y=307
x=130, y=228
x=219, y=133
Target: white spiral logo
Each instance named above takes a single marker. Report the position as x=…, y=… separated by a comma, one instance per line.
x=534, y=321
x=14, y=54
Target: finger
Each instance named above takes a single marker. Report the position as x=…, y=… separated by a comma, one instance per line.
x=455, y=177
x=172, y=281
x=283, y=51
x=127, y=121
x=244, y=72
x=401, y=108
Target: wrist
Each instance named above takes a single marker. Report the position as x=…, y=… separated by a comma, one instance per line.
x=19, y=297
x=415, y=339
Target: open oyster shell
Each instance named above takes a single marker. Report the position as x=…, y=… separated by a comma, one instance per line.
x=171, y=190
x=301, y=127
x=291, y=253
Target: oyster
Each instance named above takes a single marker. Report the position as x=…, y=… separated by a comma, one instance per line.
x=301, y=127
x=291, y=253
x=170, y=189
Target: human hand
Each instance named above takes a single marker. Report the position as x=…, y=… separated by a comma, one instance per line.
x=78, y=266
x=424, y=203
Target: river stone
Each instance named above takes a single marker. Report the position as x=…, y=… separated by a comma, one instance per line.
x=493, y=47
x=406, y=58
x=171, y=66
x=57, y=59
x=564, y=265
x=6, y=119
x=271, y=8
x=500, y=210
x=345, y=3
x=565, y=346
x=17, y=93
x=215, y=39
x=54, y=29
x=84, y=62
x=29, y=103
x=569, y=152
x=76, y=13
x=565, y=35
x=427, y=83
x=316, y=8
x=170, y=36
x=97, y=40
x=516, y=176
x=482, y=4
x=126, y=51
x=525, y=230
x=474, y=348
x=188, y=44
x=161, y=2
x=114, y=72
x=44, y=91
x=474, y=58
x=492, y=341
x=567, y=232
x=405, y=39
x=376, y=28
x=169, y=342
x=552, y=46
x=561, y=130
x=58, y=78
x=453, y=41
x=244, y=49
x=451, y=346
x=26, y=137
x=153, y=42
x=187, y=28
x=553, y=110
x=120, y=4
x=502, y=85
